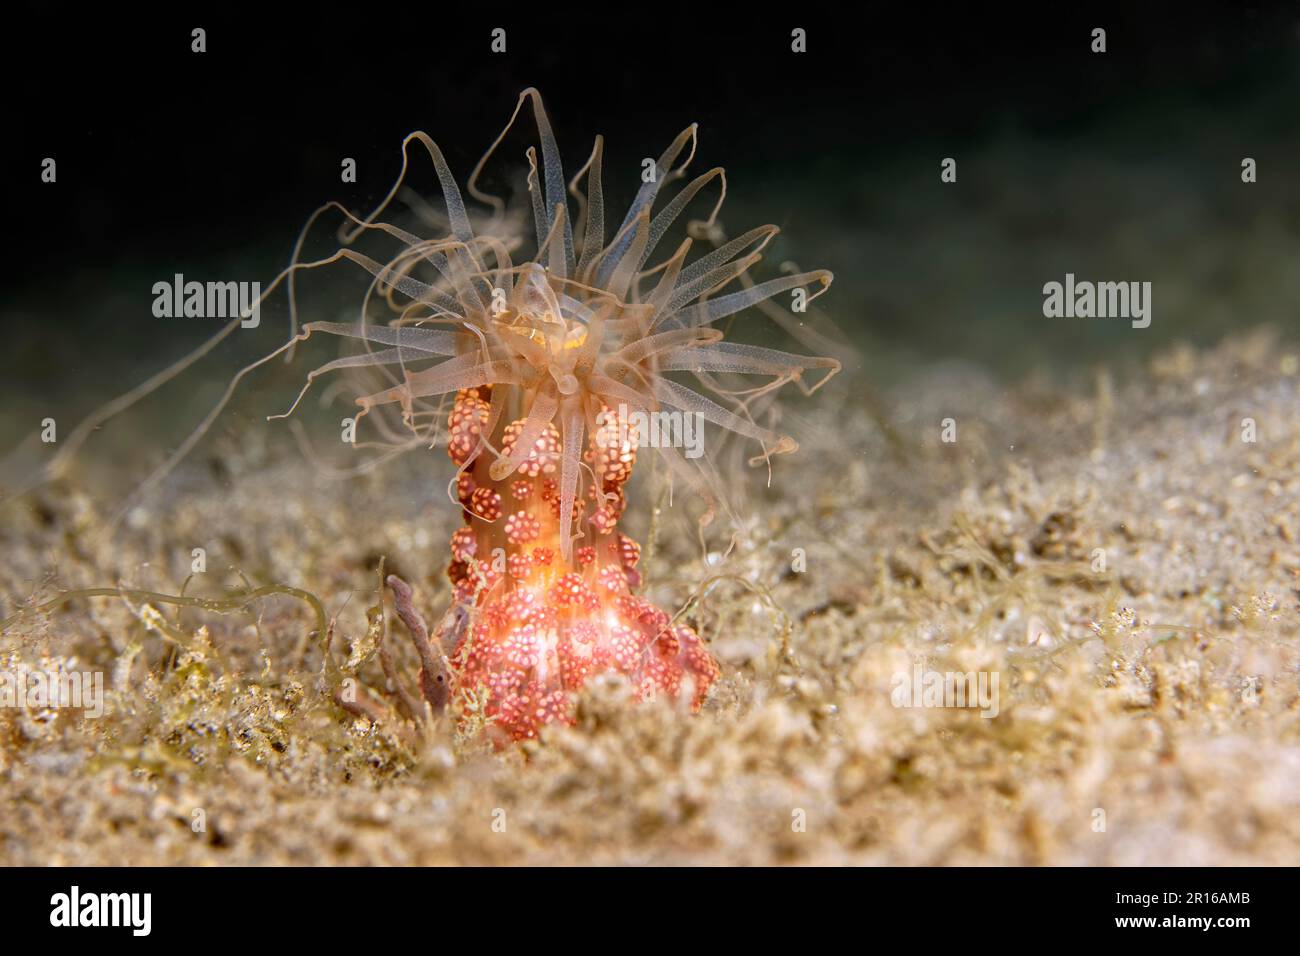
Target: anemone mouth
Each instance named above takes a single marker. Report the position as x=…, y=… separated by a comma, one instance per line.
x=544, y=311
x=556, y=333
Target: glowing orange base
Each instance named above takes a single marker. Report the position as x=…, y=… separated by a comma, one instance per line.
x=544, y=626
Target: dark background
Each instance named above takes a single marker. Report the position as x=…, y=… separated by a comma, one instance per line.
x=208, y=164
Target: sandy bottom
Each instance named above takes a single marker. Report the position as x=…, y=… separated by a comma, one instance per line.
x=1117, y=556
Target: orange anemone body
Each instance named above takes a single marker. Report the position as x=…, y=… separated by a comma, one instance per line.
x=543, y=625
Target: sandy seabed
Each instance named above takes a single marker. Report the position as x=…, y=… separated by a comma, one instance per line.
x=1118, y=555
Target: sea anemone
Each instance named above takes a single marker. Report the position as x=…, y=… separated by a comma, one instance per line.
x=543, y=378
x=555, y=366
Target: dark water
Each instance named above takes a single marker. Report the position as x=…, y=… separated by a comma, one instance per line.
x=1123, y=166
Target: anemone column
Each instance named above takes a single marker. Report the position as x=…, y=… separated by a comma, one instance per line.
x=543, y=625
